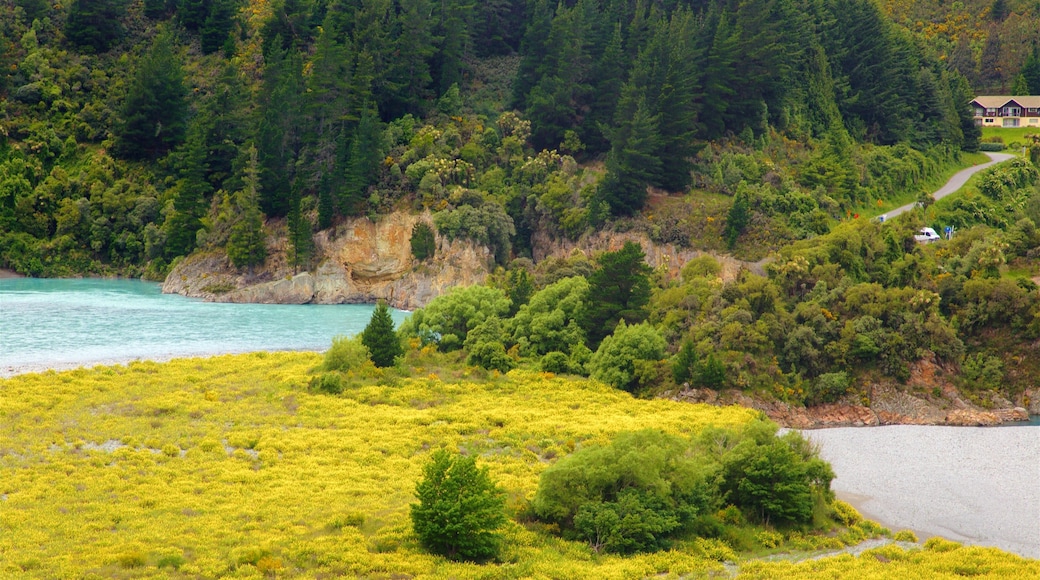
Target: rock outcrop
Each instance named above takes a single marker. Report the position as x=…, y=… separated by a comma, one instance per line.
x=657, y=255
x=358, y=262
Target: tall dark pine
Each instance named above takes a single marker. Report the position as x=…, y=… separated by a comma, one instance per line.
x=383, y=345
x=215, y=31
x=278, y=138
x=247, y=245
x=155, y=110
x=94, y=25
x=189, y=202
x=1031, y=71
x=620, y=289
x=300, y=232
x=632, y=164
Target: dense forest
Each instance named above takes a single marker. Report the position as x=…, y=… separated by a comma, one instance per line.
x=137, y=133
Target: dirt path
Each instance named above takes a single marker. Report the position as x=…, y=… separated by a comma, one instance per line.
x=956, y=182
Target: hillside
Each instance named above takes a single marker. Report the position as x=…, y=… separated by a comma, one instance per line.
x=991, y=42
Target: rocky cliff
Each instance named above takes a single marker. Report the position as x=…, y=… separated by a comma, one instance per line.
x=359, y=261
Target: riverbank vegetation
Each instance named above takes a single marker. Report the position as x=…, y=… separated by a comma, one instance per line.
x=234, y=466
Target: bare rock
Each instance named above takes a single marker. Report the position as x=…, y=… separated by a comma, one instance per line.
x=359, y=261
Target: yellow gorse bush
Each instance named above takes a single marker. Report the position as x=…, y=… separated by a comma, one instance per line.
x=231, y=466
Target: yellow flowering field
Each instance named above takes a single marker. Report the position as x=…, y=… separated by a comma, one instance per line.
x=231, y=467
x=940, y=559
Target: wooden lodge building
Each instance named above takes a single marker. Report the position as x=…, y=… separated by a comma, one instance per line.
x=1022, y=111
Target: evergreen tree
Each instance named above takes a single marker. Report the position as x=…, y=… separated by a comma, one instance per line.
x=632, y=164
x=325, y=110
x=1030, y=71
x=154, y=114
x=222, y=117
x=684, y=367
x=94, y=25
x=189, y=202
x=618, y=289
x=379, y=336
x=520, y=289
x=247, y=245
x=279, y=122
x=301, y=233
x=992, y=73
x=423, y=242
x=962, y=59
x=215, y=31
x=414, y=46
x=459, y=510
x=192, y=13
x=737, y=219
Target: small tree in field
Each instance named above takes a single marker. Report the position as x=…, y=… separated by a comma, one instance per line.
x=460, y=509
x=380, y=338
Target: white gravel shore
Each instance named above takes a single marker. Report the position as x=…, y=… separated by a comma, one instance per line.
x=976, y=485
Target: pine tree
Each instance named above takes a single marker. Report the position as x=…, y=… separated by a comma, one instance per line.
x=278, y=138
x=379, y=336
x=618, y=289
x=94, y=24
x=632, y=164
x=301, y=233
x=247, y=245
x=154, y=114
x=1030, y=71
x=189, y=202
x=214, y=33
x=325, y=106
x=737, y=219
x=991, y=65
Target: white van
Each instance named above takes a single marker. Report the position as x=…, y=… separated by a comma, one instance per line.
x=926, y=236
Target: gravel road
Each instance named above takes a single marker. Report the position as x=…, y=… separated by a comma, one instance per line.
x=956, y=182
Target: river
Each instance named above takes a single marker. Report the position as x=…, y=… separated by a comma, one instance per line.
x=60, y=324
x=976, y=485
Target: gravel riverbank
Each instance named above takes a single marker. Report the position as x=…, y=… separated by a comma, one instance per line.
x=976, y=485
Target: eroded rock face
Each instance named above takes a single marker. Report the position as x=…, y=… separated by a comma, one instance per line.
x=358, y=262
x=667, y=256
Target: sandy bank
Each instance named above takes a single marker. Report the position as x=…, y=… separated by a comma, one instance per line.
x=9, y=274
x=968, y=484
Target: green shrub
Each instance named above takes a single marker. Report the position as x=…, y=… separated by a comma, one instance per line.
x=828, y=388
x=448, y=318
x=614, y=361
x=174, y=561
x=460, y=509
x=346, y=353
x=424, y=244
x=556, y=362
x=629, y=496
x=991, y=146
x=331, y=383
x=772, y=478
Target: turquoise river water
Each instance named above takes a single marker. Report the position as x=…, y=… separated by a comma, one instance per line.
x=48, y=323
